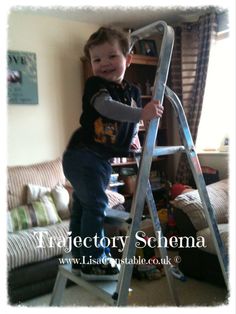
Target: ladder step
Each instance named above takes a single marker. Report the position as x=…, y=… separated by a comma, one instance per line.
x=167, y=150
x=161, y=151
x=103, y=289
x=114, y=216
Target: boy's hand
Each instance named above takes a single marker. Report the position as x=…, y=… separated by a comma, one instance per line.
x=152, y=110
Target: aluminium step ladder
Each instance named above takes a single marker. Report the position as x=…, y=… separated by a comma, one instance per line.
x=116, y=292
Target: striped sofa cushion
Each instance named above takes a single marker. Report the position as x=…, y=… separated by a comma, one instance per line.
x=23, y=245
x=47, y=174
x=190, y=203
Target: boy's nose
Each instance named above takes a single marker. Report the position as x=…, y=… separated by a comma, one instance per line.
x=105, y=62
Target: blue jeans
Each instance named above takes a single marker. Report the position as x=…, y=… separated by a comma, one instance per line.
x=89, y=175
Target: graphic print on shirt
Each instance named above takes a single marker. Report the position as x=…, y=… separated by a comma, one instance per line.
x=105, y=132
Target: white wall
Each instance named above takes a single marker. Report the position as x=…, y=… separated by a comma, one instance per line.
x=40, y=132
x=217, y=161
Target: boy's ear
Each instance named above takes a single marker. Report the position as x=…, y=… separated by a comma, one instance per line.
x=128, y=59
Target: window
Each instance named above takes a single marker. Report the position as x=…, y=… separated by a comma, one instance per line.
x=214, y=127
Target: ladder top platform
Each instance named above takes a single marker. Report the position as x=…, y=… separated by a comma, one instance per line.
x=162, y=150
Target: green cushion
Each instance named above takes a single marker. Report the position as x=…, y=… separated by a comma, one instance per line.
x=38, y=213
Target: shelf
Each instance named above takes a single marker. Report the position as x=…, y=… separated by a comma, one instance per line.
x=142, y=129
x=129, y=163
x=115, y=184
x=212, y=152
x=146, y=96
x=144, y=60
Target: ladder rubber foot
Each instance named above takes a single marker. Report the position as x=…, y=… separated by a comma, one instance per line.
x=115, y=296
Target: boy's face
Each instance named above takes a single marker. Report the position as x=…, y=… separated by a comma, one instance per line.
x=108, y=61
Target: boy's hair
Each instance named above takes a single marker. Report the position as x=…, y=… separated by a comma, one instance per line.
x=106, y=34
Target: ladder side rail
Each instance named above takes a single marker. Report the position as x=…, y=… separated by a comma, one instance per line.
x=58, y=289
x=129, y=251
x=200, y=182
x=163, y=250
x=164, y=57
x=60, y=282
x=145, y=164
x=136, y=215
x=163, y=244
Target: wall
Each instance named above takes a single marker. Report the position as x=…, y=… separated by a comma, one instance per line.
x=217, y=161
x=40, y=132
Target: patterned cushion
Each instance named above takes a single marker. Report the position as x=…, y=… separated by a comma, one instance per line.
x=61, y=197
x=190, y=203
x=59, y=194
x=39, y=213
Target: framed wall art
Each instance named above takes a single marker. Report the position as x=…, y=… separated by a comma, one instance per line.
x=148, y=47
x=22, y=78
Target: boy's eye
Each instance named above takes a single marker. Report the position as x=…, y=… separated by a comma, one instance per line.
x=112, y=56
x=96, y=60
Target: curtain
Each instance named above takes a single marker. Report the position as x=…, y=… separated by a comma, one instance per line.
x=188, y=73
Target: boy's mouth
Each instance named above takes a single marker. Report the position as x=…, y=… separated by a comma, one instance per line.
x=108, y=71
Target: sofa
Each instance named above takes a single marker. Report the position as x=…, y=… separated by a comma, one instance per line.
x=202, y=263
x=38, y=199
